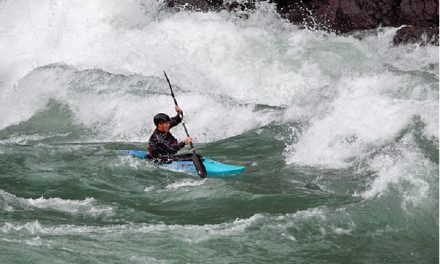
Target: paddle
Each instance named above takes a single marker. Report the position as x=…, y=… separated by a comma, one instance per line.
x=198, y=164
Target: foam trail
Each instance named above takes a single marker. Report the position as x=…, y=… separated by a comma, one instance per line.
x=185, y=183
x=322, y=221
x=88, y=206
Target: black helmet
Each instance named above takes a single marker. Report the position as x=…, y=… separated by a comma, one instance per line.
x=161, y=118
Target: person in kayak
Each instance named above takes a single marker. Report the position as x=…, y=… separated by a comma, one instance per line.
x=163, y=145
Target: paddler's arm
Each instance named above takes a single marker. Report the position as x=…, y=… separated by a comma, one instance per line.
x=174, y=121
x=178, y=145
x=160, y=142
x=182, y=144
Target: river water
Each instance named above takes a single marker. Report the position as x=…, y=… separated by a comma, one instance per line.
x=339, y=135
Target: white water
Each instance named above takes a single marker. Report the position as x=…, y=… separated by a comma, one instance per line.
x=354, y=97
x=286, y=224
x=88, y=206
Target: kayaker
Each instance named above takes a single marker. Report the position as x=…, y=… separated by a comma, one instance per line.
x=162, y=144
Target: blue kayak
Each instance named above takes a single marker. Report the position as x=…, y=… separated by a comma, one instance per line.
x=213, y=168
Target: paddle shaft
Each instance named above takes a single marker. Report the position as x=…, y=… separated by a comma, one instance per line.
x=180, y=113
x=198, y=163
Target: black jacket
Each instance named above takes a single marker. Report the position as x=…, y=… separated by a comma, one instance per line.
x=165, y=144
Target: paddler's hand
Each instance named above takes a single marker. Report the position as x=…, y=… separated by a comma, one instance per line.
x=188, y=140
x=178, y=110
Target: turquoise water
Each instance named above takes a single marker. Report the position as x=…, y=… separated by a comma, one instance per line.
x=339, y=135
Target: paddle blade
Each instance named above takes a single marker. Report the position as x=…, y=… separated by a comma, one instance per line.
x=198, y=164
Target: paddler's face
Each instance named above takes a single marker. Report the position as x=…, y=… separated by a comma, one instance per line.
x=164, y=127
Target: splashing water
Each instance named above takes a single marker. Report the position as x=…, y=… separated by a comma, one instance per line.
x=339, y=135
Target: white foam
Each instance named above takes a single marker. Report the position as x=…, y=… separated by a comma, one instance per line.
x=31, y=227
x=316, y=212
x=116, y=116
x=185, y=183
x=35, y=241
x=317, y=220
x=148, y=188
x=361, y=118
x=198, y=231
x=402, y=165
x=88, y=206
x=133, y=162
x=25, y=139
x=261, y=59
x=213, y=53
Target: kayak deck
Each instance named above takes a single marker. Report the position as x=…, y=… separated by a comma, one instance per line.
x=213, y=168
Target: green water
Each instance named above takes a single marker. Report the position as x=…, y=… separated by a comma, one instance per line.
x=100, y=207
x=339, y=135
